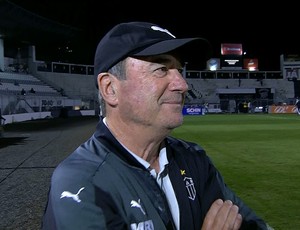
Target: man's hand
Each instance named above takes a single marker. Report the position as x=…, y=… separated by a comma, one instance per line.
x=222, y=215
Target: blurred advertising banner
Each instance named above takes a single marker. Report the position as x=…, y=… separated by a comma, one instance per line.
x=192, y=110
x=232, y=49
x=282, y=109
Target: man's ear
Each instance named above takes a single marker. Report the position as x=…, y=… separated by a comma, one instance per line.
x=106, y=84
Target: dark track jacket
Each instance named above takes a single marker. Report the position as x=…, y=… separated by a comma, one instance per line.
x=101, y=186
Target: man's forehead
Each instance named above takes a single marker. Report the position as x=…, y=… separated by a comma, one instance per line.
x=168, y=58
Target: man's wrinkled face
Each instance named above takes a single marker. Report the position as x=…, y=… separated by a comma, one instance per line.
x=153, y=92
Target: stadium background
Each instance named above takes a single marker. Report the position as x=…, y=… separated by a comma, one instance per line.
x=48, y=60
x=39, y=53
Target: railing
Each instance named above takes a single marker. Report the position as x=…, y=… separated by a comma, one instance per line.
x=59, y=67
x=236, y=74
x=204, y=74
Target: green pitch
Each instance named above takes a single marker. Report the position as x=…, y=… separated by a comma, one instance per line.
x=259, y=157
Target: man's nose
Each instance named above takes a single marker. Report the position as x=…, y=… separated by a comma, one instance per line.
x=178, y=82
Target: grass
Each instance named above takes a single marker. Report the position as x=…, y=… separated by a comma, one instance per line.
x=259, y=158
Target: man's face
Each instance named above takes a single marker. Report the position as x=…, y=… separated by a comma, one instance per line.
x=153, y=93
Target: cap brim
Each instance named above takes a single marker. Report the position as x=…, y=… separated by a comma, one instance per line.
x=191, y=50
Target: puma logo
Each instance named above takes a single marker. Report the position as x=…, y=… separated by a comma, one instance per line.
x=135, y=204
x=75, y=197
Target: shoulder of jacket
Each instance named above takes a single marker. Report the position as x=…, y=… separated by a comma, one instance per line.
x=184, y=143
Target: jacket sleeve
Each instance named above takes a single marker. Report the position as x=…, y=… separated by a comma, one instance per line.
x=71, y=203
x=74, y=202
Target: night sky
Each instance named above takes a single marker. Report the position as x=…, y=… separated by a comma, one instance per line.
x=264, y=31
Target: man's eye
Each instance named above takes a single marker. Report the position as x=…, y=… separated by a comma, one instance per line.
x=163, y=69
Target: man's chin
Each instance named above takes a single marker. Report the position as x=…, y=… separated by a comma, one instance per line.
x=174, y=123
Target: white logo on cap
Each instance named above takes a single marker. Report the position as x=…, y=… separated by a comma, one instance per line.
x=162, y=30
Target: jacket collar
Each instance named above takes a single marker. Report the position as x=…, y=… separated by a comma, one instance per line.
x=104, y=135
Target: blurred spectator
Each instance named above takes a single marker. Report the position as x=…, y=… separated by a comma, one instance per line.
x=32, y=90
x=297, y=104
x=2, y=119
x=62, y=92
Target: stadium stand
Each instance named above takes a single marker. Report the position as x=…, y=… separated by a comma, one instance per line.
x=51, y=83
x=29, y=86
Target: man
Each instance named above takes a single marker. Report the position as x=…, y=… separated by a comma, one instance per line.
x=131, y=174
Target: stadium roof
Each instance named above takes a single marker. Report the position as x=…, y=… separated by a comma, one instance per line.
x=22, y=25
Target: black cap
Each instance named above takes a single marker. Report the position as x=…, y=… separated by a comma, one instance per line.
x=142, y=39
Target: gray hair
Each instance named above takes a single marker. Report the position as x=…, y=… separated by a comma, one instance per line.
x=119, y=71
